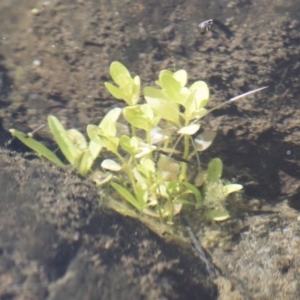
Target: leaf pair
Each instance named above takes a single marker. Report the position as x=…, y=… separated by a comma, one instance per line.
x=165, y=101
x=104, y=135
x=141, y=116
x=128, y=88
x=71, y=142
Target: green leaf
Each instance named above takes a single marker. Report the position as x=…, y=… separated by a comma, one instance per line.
x=156, y=93
x=141, y=192
x=133, y=146
x=199, y=114
x=92, y=132
x=94, y=149
x=202, y=93
x=128, y=93
x=181, y=76
x=85, y=163
x=97, y=135
x=77, y=138
x=173, y=188
x=127, y=195
x=111, y=143
x=70, y=151
x=195, y=191
x=197, y=99
x=146, y=167
x=136, y=90
x=115, y=91
x=36, y=146
x=161, y=105
x=140, y=116
x=108, y=123
x=189, y=130
x=129, y=88
x=119, y=73
x=161, y=73
x=231, y=188
x=126, y=145
x=172, y=88
x=144, y=149
x=136, y=117
x=190, y=105
x=149, y=165
x=104, y=134
x=214, y=170
x=111, y=165
x=219, y=214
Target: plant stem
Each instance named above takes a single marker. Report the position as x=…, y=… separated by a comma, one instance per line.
x=185, y=153
x=185, y=156
x=120, y=157
x=128, y=171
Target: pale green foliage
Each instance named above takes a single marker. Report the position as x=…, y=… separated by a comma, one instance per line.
x=148, y=172
x=80, y=154
x=141, y=116
x=39, y=148
x=127, y=88
x=74, y=146
x=160, y=188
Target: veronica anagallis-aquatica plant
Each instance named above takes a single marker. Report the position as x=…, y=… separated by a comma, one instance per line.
x=146, y=168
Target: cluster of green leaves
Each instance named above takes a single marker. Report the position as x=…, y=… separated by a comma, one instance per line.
x=160, y=185
x=145, y=169
x=79, y=153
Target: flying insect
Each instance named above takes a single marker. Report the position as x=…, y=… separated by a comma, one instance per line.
x=206, y=26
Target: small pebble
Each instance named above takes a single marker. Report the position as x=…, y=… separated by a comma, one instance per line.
x=37, y=62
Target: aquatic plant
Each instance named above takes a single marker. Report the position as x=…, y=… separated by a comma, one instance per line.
x=148, y=170
x=72, y=143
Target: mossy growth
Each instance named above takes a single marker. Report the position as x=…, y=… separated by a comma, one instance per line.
x=146, y=169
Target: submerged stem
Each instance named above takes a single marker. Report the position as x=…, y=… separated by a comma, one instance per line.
x=185, y=156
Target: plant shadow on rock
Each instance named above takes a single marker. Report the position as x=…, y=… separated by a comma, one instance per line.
x=58, y=243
